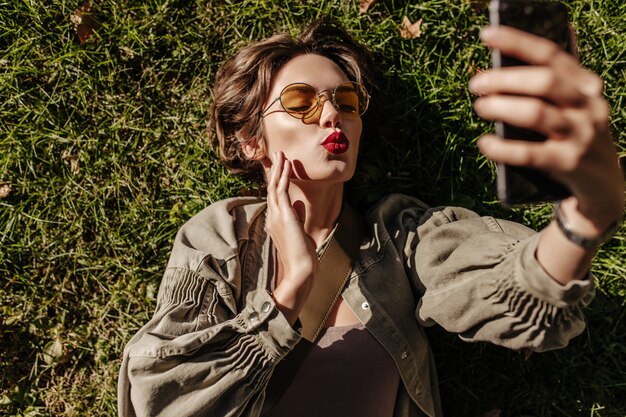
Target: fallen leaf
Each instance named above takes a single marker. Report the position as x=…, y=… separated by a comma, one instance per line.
x=478, y=5
x=411, y=30
x=5, y=189
x=84, y=22
x=53, y=352
x=364, y=5
x=73, y=160
x=493, y=413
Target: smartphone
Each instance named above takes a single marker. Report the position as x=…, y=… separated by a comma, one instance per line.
x=548, y=19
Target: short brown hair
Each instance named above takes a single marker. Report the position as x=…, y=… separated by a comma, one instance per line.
x=243, y=83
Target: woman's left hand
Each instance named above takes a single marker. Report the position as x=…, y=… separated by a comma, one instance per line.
x=556, y=96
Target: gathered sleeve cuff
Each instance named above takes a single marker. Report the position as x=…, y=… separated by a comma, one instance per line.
x=480, y=278
x=196, y=358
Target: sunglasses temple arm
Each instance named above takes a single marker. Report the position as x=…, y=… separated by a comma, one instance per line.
x=269, y=105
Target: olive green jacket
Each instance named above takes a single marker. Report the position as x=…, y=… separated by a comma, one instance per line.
x=217, y=335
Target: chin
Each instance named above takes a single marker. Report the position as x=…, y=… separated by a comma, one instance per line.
x=333, y=178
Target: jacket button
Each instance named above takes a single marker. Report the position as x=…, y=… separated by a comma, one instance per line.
x=365, y=306
x=253, y=317
x=404, y=355
x=265, y=307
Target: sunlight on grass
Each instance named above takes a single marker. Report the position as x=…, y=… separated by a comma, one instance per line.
x=104, y=153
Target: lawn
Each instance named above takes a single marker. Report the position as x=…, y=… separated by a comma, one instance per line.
x=105, y=152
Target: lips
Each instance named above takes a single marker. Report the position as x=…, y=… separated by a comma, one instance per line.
x=336, y=143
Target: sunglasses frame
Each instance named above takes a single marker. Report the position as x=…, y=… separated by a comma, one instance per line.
x=304, y=116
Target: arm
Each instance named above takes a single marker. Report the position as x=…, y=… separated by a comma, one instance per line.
x=579, y=150
x=479, y=278
x=188, y=362
x=298, y=261
x=215, y=337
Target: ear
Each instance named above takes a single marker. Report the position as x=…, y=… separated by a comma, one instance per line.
x=253, y=149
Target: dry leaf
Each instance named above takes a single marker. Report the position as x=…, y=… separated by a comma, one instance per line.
x=73, y=159
x=478, y=5
x=493, y=413
x=410, y=30
x=364, y=5
x=53, y=352
x=5, y=189
x=84, y=22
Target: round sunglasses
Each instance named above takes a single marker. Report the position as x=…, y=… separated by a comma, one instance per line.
x=302, y=100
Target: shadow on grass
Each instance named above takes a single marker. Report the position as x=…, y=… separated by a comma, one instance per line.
x=589, y=374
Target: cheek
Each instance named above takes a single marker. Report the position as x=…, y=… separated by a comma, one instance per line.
x=357, y=131
x=276, y=134
x=285, y=133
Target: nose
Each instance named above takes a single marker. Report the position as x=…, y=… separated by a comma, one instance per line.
x=330, y=116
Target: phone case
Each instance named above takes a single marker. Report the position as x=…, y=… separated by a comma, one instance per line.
x=521, y=185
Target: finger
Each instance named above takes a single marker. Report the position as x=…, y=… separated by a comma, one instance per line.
x=528, y=81
x=283, y=198
x=525, y=112
x=525, y=46
x=539, y=155
x=282, y=188
x=283, y=181
x=272, y=182
x=540, y=51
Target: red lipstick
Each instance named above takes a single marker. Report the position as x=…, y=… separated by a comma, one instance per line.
x=336, y=143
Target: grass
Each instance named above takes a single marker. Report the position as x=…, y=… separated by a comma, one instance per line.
x=105, y=149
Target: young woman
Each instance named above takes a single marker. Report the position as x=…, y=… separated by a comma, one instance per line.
x=241, y=270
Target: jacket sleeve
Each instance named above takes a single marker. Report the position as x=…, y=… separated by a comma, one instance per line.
x=196, y=357
x=479, y=278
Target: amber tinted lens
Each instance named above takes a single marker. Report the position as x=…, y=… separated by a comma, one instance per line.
x=347, y=98
x=299, y=100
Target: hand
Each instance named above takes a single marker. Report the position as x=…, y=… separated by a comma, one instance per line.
x=297, y=258
x=559, y=98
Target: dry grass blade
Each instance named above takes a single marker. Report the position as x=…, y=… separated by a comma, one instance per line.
x=73, y=160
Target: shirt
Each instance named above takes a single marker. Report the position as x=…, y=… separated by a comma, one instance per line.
x=216, y=335
x=345, y=373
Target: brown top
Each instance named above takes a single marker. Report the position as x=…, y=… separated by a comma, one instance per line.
x=347, y=373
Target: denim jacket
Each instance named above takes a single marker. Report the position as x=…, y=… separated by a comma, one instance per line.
x=216, y=335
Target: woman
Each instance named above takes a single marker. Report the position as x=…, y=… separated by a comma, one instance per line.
x=241, y=270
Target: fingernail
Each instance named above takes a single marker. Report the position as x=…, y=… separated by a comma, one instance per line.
x=476, y=83
x=478, y=105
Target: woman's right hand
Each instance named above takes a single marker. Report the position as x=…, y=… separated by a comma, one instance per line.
x=297, y=258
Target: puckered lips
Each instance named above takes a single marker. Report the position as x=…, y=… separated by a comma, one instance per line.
x=336, y=143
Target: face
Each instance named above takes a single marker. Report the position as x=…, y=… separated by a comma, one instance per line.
x=316, y=146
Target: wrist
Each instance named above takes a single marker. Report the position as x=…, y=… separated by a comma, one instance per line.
x=587, y=228
x=290, y=299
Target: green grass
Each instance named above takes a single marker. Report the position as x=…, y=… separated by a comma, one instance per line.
x=105, y=147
